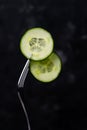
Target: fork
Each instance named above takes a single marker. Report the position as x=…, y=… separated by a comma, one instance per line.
x=20, y=84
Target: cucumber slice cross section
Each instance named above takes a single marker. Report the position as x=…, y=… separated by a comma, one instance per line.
x=38, y=43
x=46, y=70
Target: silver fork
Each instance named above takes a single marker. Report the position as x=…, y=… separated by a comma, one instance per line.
x=21, y=85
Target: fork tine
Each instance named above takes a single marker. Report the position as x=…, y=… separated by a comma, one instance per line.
x=23, y=74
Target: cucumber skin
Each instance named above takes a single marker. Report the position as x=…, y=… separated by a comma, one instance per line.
x=31, y=56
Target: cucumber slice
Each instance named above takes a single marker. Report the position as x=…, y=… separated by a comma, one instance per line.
x=46, y=70
x=36, y=42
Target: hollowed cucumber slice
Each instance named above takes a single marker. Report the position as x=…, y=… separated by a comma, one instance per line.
x=46, y=70
x=36, y=42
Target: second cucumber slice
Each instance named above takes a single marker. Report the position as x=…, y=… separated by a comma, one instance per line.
x=46, y=70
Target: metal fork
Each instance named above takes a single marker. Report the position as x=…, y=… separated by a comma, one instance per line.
x=21, y=85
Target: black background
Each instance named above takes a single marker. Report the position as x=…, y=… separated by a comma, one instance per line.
x=61, y=104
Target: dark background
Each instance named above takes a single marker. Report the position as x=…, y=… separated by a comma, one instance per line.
x=61, y=104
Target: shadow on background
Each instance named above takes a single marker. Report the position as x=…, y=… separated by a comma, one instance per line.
x=62, y=103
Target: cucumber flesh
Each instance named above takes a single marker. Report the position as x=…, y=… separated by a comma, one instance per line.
x=46, y=70
x=38, y=43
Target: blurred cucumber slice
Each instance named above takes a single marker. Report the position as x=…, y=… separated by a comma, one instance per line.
x=36, y=42
x=46, y=70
